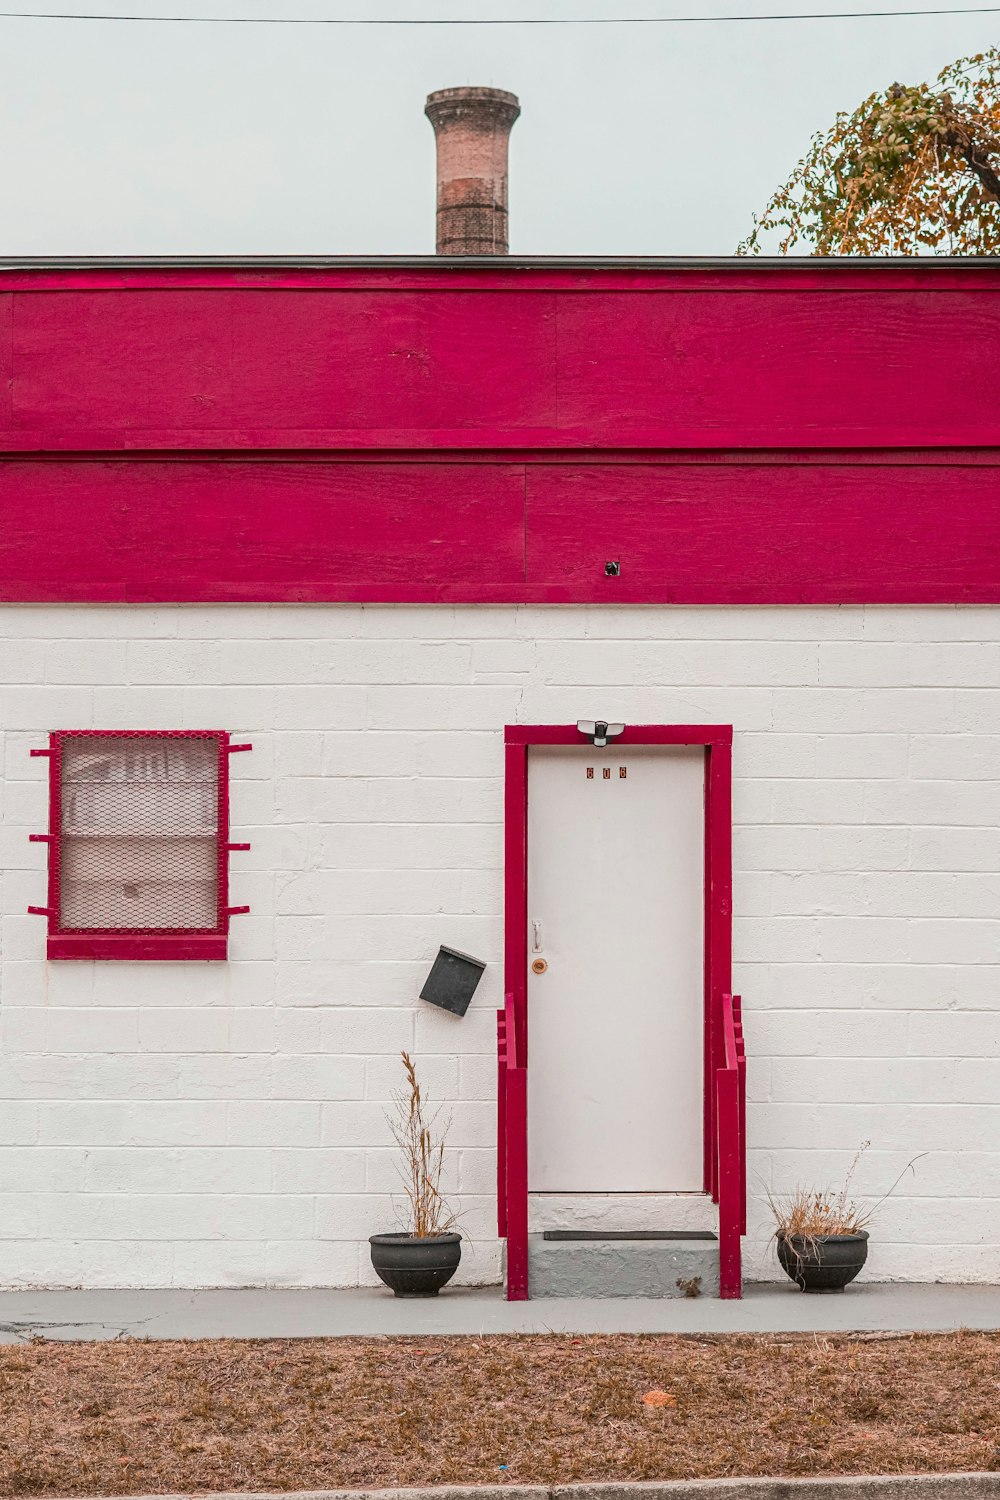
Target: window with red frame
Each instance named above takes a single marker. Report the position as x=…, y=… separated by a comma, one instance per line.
x=139, y=844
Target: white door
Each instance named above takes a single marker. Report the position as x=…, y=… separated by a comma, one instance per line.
x=615, y=1021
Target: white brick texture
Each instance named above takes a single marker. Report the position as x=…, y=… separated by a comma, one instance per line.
x=224, y=1124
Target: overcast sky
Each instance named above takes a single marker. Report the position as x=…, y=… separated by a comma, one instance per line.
x=144, y=138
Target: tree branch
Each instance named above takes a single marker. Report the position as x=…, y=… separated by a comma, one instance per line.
x=981, y=166
x=959, y=138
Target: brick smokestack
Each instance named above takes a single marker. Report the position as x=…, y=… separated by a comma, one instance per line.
x=472, y=127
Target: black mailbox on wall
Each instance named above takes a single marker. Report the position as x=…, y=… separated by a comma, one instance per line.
x=452, y=981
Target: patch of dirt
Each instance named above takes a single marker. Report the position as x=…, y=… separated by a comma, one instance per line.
x=139, y=1417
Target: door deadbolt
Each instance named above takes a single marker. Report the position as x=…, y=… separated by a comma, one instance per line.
x=538, y=966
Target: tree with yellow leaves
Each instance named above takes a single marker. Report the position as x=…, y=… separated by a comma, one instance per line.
x=915, y=170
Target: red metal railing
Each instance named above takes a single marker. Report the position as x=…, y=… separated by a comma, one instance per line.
x=512, y=1152
x=730, y=1148
x=502, y=1058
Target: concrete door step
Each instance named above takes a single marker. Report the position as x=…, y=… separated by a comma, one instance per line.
x=623, y=1263
x=628, y=1234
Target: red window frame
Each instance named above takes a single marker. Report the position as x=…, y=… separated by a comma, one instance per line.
x=137, y=942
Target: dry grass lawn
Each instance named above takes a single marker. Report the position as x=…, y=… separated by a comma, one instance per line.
x=141, y=1417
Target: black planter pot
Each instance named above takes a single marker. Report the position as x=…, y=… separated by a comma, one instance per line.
x=825, y=1263
x=415, y=1267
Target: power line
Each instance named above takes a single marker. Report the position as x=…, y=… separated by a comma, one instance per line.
x=828, y=15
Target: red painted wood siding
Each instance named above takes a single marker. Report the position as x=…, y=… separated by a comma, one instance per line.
x=787, y=532
x=120, y=529
x=422, y=366
x=739, y=433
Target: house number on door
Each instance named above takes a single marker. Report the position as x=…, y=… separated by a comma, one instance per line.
x=622, y=773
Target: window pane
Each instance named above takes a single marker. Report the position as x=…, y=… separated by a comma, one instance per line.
x=138, y=845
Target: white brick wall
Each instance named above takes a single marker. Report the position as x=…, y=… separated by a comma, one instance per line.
x=219, y=1125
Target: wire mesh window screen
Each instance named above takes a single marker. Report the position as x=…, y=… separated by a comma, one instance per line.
x=139, y=835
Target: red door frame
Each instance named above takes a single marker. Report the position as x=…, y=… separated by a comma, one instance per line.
x=512, y=1142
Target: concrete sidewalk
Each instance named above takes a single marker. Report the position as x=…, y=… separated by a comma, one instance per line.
x=767, y=1307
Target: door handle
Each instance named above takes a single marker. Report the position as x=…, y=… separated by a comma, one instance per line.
x=536, y=936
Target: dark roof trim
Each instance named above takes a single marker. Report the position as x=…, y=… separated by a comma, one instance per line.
x=502, y=262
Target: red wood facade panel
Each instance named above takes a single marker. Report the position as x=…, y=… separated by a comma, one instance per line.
x=116, y=529
x=781, y=368
x=784, y=533
x=283, y=363
x=731, y=433
x=6, y=355
x=680, y=365
x=318, y=530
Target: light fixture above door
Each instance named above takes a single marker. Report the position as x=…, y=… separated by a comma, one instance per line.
x=598, y=732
